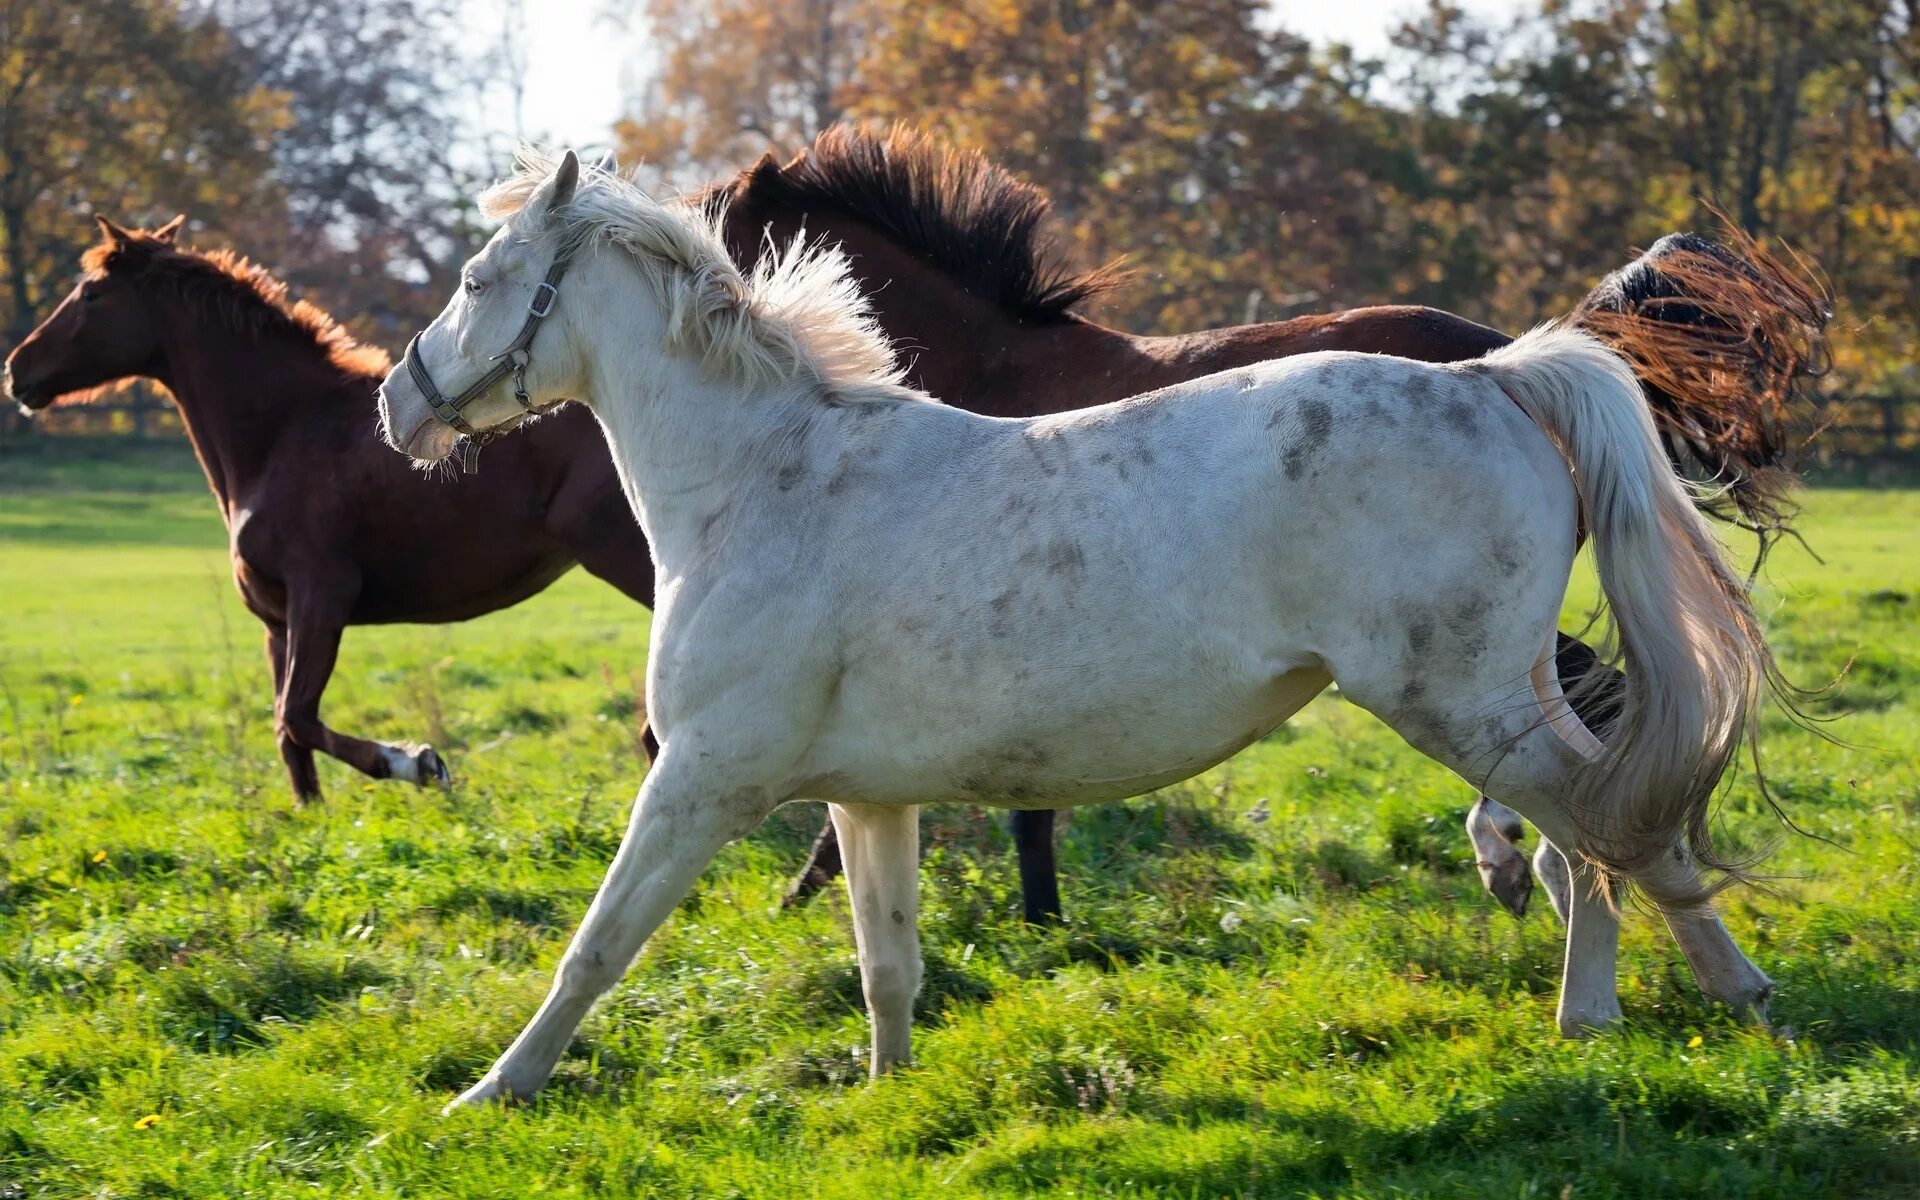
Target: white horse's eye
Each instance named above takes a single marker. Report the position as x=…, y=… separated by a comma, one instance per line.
x=473, y=286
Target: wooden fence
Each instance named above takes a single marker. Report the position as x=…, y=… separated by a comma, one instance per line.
x=1842, y=429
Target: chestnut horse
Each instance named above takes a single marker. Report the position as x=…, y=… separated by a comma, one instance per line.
x=951, y=248
x=326, y=528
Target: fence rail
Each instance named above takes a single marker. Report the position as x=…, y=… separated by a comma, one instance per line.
x=1841, y=428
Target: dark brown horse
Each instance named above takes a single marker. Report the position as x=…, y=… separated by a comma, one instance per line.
x=351, y=536
x=952, y=248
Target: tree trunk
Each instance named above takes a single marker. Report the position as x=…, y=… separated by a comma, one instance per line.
x=19, y=274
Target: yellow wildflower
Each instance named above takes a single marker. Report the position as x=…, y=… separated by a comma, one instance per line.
x=148, y=1121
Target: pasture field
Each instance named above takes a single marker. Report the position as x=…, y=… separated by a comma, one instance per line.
x=1280, y=979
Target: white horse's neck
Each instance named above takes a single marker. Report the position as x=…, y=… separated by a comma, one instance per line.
x=688, y=444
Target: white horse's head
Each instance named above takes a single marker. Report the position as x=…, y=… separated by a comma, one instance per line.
x=498, y=350
x=519, y=337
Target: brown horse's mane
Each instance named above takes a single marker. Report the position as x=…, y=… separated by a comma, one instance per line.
x=241, y=292
x=965, y=215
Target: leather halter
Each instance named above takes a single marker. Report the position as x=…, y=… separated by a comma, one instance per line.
x=511, y=361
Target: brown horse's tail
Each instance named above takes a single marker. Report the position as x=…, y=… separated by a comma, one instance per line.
x=1697, y=662
x=1724, y=338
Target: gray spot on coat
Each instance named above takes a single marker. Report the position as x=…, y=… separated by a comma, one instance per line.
x=1316, y=430
x=1461, y=415
x=1507, y=557
x=1420, y=636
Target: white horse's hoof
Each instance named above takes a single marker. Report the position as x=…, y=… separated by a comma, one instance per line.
x=1574, y=1025
x=1510, y=882
x=1751, y=1005
x=490, y=1090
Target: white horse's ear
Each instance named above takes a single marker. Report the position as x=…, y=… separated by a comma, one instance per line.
x=608, y=164
x=558, y=189
x=565, y=181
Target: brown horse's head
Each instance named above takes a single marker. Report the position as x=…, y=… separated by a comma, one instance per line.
x=102, y=332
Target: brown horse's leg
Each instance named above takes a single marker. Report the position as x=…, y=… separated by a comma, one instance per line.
x=313, y=647
x=823, y=867
x=1598, y=704
x=1032, y=838
x=1039, y=883
x=299, y=759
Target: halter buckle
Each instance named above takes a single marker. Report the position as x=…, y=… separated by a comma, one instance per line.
x=543, y=298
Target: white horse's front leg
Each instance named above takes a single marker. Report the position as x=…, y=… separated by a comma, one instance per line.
x=881, y=849
x=678, y=825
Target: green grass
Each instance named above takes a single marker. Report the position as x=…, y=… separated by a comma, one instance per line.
x=1279, y=979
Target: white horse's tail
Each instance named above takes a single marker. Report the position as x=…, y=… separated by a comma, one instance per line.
x=1696, y=661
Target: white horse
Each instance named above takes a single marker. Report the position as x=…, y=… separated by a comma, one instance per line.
x=872, y=599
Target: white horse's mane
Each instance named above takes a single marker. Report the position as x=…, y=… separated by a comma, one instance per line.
x=799, y=318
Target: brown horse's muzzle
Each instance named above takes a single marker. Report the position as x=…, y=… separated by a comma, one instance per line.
x=28, y=395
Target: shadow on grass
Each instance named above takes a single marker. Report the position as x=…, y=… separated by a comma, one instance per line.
x=219, y=1002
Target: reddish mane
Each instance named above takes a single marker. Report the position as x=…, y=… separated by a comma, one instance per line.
x=241, y=292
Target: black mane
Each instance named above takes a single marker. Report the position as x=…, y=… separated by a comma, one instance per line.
x=965, y=216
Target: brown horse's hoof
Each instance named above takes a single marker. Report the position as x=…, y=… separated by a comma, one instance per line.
x=805, y=887
x=430, y=770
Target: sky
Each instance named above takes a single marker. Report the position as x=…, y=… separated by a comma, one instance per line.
x=578, y=63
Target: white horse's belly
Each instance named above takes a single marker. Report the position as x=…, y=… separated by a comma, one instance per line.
x=1055, y=746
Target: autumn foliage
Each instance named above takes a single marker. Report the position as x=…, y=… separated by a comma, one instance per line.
x=1495, y=170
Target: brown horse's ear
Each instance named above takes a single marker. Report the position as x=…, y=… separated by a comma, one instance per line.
x=767, y=168
x=115, y=235
x=166, y=233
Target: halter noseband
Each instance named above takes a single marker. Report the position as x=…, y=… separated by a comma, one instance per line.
x=511, y=361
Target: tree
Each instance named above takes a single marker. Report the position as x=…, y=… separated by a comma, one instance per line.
x=376, y=216
x=739, y=76
x=116, y=106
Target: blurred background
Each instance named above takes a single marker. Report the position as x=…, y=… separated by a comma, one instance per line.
x=1249, y=161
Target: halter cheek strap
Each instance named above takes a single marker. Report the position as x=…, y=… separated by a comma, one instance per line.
x=511, y=361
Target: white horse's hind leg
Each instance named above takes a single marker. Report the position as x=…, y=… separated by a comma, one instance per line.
x=1484, y=721
x=1589, y=983
x=1723, y=972
x=880, y=847
x=1551, y=866
x=1494, y=829
x=676, y=829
